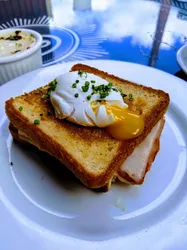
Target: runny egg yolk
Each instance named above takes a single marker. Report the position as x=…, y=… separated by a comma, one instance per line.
x=127, y=125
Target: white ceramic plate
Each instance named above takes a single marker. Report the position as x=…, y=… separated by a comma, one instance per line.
x=44, y=207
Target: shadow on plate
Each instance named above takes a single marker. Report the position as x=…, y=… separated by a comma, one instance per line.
x=51, y=167
x=57, y=171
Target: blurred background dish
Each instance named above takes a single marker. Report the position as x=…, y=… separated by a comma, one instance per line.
x=20, y=52
x=182, y=58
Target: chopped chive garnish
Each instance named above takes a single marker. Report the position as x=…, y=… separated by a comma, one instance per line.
x=17, y=32
x=44, y=96
x=74, y=85
x=85, y=88
x=103, y=95
x=103, y=90
x=100, y=87
x=31, y=37
x=131, y=98
x=41, y=114
x=123, y=95
x=36, y=122
x=87, y=83
x=11, y=163
x=20, y=108
x=88, y=97
x=76, y=95
x=52, y=87
x=77, y=81
x=18, y=44
x=80, y=73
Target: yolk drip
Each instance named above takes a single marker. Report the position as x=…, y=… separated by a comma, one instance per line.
x=127, y=125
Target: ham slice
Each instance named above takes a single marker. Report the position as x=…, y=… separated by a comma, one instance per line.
x=135, y=167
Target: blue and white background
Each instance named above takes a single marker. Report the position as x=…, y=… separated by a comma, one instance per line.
x=145, y=32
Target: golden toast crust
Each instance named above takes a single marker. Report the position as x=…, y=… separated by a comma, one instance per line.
x=48, y=142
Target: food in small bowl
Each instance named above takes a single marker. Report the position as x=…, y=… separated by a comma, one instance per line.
x=20, y=52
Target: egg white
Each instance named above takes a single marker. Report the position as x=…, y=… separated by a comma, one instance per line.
x=79, y=110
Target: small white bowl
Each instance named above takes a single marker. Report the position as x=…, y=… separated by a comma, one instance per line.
x=182, y=58
x=18, y=64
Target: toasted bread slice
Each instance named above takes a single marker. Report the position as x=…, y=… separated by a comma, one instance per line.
x=90, y=153
x=136, y=165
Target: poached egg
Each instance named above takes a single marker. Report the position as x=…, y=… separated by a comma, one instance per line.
x=89, y=100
